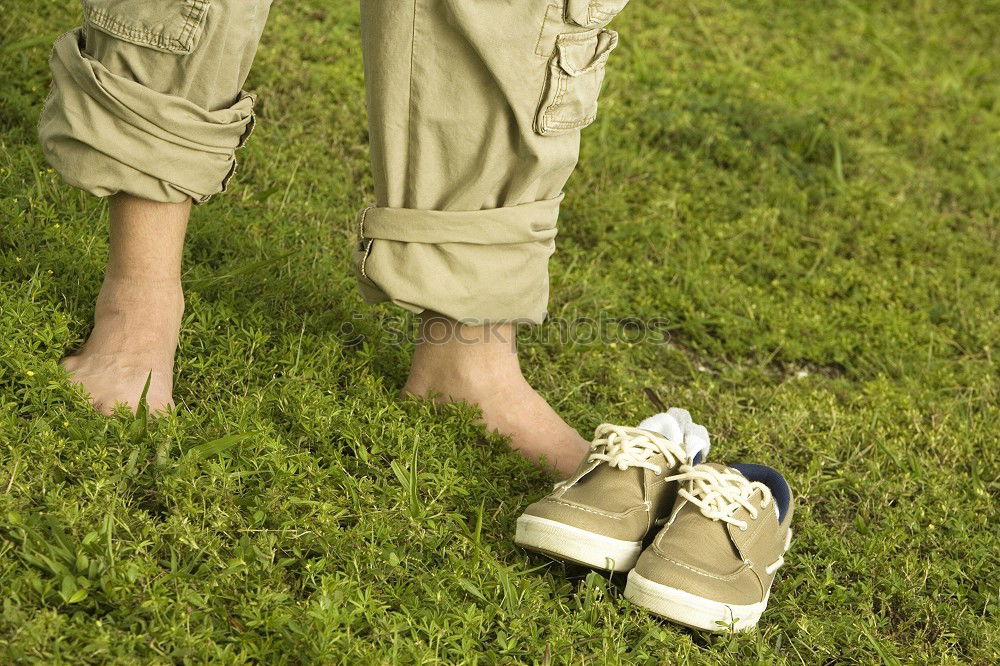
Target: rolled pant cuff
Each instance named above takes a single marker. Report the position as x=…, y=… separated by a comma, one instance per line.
x=477, y=267
x=106, y=134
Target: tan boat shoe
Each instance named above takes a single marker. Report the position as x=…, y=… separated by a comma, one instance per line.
x=601, y=515
x=712, y=564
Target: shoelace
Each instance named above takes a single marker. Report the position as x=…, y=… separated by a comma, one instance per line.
x=719, y=493
x=625, y=447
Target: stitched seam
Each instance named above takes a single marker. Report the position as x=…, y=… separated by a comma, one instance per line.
x=613, y=516
x=541, y=33
x=52, y=89
x=569, y=484
x=704, y=573
x=371, y=241
x=561, y=87
x=673, y=516
x=597, y=14
x=409, y=104
x=751, y=537
x=193, y=13
x=228, y=177
x=101, y=19
x=542, y=116
x=571, y=124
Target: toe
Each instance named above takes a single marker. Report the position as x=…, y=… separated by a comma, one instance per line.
x=160, y=406
x=103, y=406
x=70, y=363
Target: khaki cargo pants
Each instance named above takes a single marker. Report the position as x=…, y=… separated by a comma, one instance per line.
x=475, y=110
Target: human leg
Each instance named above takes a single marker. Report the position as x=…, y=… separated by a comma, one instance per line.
x=147, y=108
x=138, y=312
x=475, y=109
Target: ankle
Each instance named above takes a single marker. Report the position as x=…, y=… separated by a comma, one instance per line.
x=448, y=352
x=144, y=301
x=145, y=285
x=136, y=316
x=141, y=279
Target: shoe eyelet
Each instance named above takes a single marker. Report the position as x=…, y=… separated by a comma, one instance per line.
x=744, y=527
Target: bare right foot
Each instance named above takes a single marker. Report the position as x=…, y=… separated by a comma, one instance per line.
x=136, y=325
x=479, y=365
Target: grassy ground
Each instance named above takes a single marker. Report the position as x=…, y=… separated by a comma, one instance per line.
x=806, y=192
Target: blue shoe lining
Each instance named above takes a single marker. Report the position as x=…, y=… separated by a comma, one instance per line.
x=771, y=478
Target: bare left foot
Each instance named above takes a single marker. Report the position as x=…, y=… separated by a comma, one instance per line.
x=135, y=334
x=138, y=314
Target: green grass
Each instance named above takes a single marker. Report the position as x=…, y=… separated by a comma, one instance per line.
x=807, y=192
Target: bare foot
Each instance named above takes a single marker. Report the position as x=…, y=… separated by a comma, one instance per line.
x=479, y=365
x=136, y=324
x=139, y=310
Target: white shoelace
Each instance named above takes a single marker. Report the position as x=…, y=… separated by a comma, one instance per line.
x=719, y=493
x=624, y=447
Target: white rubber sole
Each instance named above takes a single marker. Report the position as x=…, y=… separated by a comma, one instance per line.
x=566, y=542
x=690, y=609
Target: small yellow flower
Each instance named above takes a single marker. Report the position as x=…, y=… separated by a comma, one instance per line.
x=56, y=225
x=65, y=423
x=30, y=373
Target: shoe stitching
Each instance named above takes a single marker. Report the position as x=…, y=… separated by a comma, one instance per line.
x=756, y=532
x=700, y=572
x=660, y=482
x=669, y=520
x=781, y=555
x=613, y=516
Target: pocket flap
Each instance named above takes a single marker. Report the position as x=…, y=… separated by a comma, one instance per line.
x=172, y=26
x=586, y=51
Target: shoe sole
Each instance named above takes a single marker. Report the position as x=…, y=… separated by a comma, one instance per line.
x=566, y=542
x=689, y=609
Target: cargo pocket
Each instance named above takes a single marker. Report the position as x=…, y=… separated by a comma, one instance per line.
x=171, y=26
x=576, y=72
x=593, y=13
